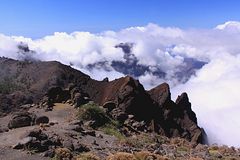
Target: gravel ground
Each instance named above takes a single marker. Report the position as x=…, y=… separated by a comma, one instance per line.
x=11, y=154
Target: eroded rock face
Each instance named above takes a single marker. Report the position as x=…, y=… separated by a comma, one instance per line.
x=189, y=121
x=161, y=94
x=178, y=118
x=132, y=99
x=155, y=107
x=128, y=95
x=183, y=102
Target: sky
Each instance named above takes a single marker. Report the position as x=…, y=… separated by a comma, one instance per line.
x=37, y=18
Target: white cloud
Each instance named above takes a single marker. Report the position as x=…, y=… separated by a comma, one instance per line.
x=230, y=26
x=214, y=91
x=8, y=47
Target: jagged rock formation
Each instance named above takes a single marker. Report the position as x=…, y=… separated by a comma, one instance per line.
x=24, y=82
x=155, y=107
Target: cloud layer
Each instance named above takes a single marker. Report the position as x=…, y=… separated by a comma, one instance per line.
x=204, y=63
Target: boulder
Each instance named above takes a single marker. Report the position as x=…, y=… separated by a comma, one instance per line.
x=78, y=99
x=41, y=119
x=23, y=142
x=31, y=143
x=38, y=134
x=38, y=141
x=22, y=119
x=4, y=129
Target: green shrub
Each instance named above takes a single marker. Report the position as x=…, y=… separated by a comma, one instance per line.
x=112, y=130
x=92, y=112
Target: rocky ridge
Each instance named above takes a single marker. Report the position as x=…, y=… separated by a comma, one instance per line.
x=57, y=111
x=55, y=83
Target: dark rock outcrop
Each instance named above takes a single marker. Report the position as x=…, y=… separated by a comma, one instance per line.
x=37, y=141
x=155, y=107
x=178, y=118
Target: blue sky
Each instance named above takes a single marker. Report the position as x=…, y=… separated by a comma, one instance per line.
x=37, y=18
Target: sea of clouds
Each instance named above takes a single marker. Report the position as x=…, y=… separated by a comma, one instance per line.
x=214, y=89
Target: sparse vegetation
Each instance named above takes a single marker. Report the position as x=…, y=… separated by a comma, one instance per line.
x=92, y=112
x=87, y=156
x=142, y=140
x=7, y=86
x=183, y=150
x=121, y=156
x=62, y=153
x=112, y=130
x=143, y=155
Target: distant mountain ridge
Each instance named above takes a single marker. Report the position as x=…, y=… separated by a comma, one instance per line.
x=130, y=64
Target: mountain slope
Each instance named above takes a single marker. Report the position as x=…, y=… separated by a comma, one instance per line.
x=45, y=83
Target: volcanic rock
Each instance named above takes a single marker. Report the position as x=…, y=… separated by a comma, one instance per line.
x=57, y=83
x=22, y=119
x=161, y=94
x=41, y=119
x=109, y=106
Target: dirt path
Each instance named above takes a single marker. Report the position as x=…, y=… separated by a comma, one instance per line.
x=11, y=154
x=61, y=114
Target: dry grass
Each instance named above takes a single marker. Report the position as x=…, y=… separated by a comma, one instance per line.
x=62, y=154
x=61, y=106
x=139, y=141
x=87, y=156
x=121, y=156
x=143, y=155
x=192, y=158
x=180, y=142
